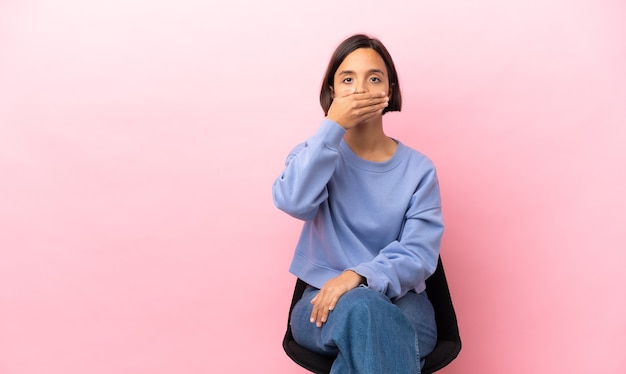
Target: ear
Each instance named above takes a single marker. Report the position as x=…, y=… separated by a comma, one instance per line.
x=390, y=90
x=332, y=92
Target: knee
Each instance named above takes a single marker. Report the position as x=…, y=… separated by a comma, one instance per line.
x=365, y=311
x=362, y=302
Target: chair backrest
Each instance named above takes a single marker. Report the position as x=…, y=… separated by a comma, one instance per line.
x=448, y=339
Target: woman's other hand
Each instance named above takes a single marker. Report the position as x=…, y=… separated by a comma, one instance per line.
x=329, y=294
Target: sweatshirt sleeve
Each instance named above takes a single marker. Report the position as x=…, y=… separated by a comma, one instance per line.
x=301, y=187
x=406, y=263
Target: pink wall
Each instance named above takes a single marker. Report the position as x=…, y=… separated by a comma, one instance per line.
x=139, y=140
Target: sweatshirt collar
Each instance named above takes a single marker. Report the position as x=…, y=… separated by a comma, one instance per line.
x=356, y=161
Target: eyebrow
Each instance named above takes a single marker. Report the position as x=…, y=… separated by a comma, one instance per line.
x=348, y=72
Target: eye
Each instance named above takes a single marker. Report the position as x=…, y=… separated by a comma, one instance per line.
x=375, y=80
x=347, y=80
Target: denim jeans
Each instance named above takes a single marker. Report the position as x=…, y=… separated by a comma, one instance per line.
x=368, y=332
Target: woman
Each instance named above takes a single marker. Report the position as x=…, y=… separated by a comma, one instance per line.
x=372, y=223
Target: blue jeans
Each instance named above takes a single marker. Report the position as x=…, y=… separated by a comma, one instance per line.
x=368, y=332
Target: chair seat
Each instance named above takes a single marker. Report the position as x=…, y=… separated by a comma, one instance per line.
x=312, y=361
x=445, y=351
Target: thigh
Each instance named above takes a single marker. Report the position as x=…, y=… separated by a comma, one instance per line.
x=323, y=339
x=419, y=311
x=304, y=332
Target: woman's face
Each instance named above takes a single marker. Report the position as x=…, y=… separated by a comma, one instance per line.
x=363, y=70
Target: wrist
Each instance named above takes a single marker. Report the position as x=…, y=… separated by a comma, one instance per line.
x=358, y=278
x=338, y=121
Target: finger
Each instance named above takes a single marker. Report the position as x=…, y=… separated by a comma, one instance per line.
x=318, y=306
x=370, y=102
x=370, y=111
x=347, y=92
x=317, y=316
x=323, y=318
x=313, y=317
x=326, y=307
x=322, y=309
x=371, y=95
x=326, y=310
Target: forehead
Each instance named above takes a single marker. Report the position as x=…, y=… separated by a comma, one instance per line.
x=362, y=59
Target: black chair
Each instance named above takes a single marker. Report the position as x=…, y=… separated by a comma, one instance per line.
x=448, y=339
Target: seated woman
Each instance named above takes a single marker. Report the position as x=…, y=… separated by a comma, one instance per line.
x=372, y=223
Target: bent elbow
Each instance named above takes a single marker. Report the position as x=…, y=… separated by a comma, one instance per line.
x=290, y=205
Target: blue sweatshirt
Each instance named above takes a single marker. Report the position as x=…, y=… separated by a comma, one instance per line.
x=381, y=219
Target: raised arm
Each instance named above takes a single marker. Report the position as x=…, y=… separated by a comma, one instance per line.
x=301, y=187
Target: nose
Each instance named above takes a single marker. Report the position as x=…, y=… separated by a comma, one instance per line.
x=361, y=86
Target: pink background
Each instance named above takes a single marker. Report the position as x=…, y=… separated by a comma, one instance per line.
x=139, y=141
